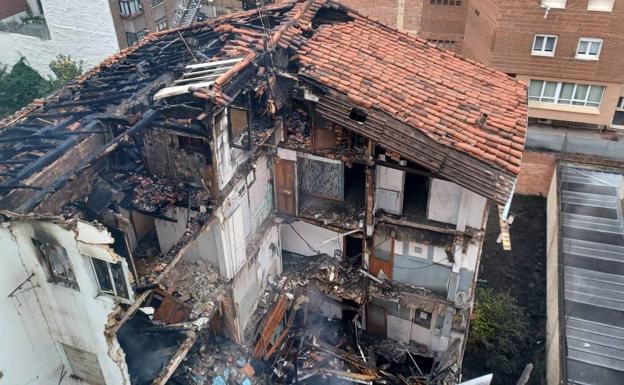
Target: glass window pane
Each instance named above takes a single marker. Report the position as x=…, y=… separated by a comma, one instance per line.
x=566, y=93
x=595, y=94
x=535, y=88
x=539, y=43
x=582, y=48
x=549, y=90
x=120, y=280
x=594, y=47
x=550, y=44
x=581, y=92
x=101, y=273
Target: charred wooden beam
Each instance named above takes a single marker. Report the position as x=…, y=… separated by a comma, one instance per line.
x=182, y=128
x=96, y=155
x=55, y=135
x=60, y=114
x=101, y=100
x=48, y=158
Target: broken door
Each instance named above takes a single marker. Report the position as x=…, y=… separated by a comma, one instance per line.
x=382, y=256
x=389, y=192
x=285, y=186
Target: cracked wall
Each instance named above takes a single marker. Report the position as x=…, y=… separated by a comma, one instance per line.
x=40, y=317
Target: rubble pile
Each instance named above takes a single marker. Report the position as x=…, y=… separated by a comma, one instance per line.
x=347, y=215
x=298, y=127
x=216, y=361
x=197, y=284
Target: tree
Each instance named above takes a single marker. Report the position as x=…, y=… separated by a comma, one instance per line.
x=65, y=69
x=498, y=329
x=23, y=83
x=19, y=87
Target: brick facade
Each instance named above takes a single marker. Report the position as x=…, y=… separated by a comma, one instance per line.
x=535, y=173
x=517, y=22
x=444, y=23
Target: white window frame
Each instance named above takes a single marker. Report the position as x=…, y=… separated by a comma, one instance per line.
x=162, y=23
x=587, y=56
x=554, y=4
x=557, y=96
x=543, y=52
x=106, y=292
x=620, y=105
x=600, y=8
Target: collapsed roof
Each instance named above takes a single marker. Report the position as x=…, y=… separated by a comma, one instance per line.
x=450, y=115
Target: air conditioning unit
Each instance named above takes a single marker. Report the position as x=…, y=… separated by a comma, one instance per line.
x=544, y=121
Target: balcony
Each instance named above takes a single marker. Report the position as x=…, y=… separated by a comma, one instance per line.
x=34, y=26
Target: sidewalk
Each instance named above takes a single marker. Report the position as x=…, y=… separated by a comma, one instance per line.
x=586, y=142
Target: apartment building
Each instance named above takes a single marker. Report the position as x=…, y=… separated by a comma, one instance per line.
x=90, y=30
x=568, y=51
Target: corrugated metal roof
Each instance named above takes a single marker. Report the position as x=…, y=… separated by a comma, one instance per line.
x=593, y=252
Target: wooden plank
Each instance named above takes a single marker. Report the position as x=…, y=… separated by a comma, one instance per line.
x=272, y=321
x=504, y=227
x=285, y=186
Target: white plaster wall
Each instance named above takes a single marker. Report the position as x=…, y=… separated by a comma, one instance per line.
x=81, y=29
x=313, y=235
x=38, y=319
x=444, y=199
x=390, y=188
x=250, y=282
x=451, y=203
x=169, y=233
x=228, y=158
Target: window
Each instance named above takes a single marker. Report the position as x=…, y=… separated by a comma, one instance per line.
x=59, y=267
x=161, y=24
x=133, y=37
x=565, y=93
x=544, y=45
x=422, y=318
x=130, y=7
x=157, y=2
x=620, y=105
x=446, y=2
x=191, y=143
x=600, y=5
x=240, y=130
x=111, y=278
x=588, y=48
x=553, y=3
x=447, y=44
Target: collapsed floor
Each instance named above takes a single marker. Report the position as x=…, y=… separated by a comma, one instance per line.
x=308, y=329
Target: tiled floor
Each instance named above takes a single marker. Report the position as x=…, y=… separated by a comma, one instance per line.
x=593, y=248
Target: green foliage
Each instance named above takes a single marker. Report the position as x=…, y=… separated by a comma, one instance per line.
x=65, y=69
x=498, y=329
x=19, y=87
x=22, y=84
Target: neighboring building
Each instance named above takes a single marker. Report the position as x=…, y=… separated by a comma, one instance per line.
x=150, y=204
x=585, y=270
x=40, y=30
x=568, y=51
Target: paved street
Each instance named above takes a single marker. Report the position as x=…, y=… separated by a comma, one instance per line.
x=579, y=141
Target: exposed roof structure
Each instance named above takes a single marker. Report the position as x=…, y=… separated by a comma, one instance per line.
x=450, y=115
x=432, y=90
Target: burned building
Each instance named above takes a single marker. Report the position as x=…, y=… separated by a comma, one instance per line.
x=160, y=198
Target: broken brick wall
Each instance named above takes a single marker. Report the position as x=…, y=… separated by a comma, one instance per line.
x=166, y=155
x=535, y=173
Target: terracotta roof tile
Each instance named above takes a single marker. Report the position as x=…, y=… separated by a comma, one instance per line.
x=434, y=91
